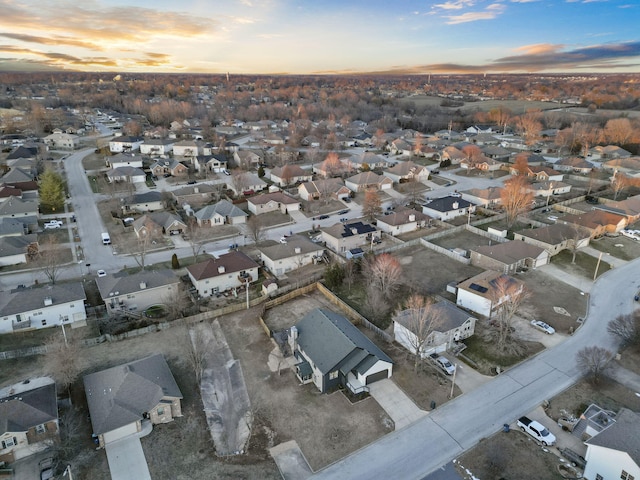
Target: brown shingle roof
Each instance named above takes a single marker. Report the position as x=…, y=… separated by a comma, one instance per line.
x=232, y=262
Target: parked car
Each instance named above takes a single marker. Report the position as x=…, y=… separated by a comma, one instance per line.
x=191, y=182
x=101, y=273
x=342, y=212
x=445, y=365
x=455, y=194
x=347, y=200
x=46, y=468
x=435, y=172
x=226, y=172
x=322, y=217
x=553, y=218
x=537, y=431
x=545, y=327
x=52, y=224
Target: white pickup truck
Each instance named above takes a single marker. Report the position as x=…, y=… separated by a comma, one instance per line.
x=537, y=431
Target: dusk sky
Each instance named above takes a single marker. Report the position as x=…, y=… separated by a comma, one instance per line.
x=321, y=36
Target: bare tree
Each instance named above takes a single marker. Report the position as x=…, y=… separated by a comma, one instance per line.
x=62, y=358
x=177, y=301
x=575, y=240
x=196, y=236
x=506, y=295
x=372, y=205
x=618, y=131
x=473, y=154
x=383, y=272
x=421, y=318
x=516, y=197
x=620, y=181
x=239, y=180
x=142, y=245
x=594, y=361
x=627, y=328
x=350, y=270
x=376, y=306
x=256, y=228
x=50, y=258
x=529, y=126
x=196, y=353
x=521, y=164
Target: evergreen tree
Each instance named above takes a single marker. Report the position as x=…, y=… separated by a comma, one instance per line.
x=52, y=193
x=175, y=263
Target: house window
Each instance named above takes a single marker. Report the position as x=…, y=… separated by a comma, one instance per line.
x=9, y=442
x=40, y=429
x=44, y=322
x=71, y=306
x=160, y=410
x=333, y=375
x=625, y=476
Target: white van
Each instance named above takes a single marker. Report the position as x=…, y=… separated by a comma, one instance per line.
x=106, y=240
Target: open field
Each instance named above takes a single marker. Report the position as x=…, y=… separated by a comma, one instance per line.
x=516, y=106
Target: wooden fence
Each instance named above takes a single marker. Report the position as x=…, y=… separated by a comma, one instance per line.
x=444, y=251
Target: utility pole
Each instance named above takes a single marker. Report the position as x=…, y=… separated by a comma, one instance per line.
x=453, y=379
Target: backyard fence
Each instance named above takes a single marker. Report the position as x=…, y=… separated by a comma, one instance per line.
x=444, y=251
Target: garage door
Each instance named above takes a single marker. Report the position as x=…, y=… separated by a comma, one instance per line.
x=374, y=377
x=121, y=432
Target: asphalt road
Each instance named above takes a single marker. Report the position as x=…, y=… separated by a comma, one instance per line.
x=448, y=431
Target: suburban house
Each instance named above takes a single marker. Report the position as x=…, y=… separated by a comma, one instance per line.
x=226, y=272
x=16, y=207
x=297, y=252
x=195, y=194
x=323, y=189
x=346, y=236
x=331, y=168
x=250, y=183
x=446, y=208
x=124, y=398
x=539, y=173
x=155, y=223
x=608, y=151
x=452, y=154
x=495, y=152
x=43, y=307
x=186, y=148
x=366, y=161
x=450, y=325
x=125, y=144
x=479, y=293
x=169, y=167
x=289, y=175
x=400, y=146
x=143, y=202
x=402, y=220
x=546, y=189
x=573, y=164
x=630, y=166
x=484, y=197
x=509, y=257
x=614, y=453
x=124, y=160
x=629, y=208
x=483, y=163
x=28, y=418
x=368, y=180
x=598, y=222
x=126, y=174
x=123, y=292
x=555, y=238
x=212, y=163
x=406, y=172
x=247, y=159
x=272, y=202
x=220, y=213
x=12, y=227
x=157, y=146
x=332, y=353
x=61, y=140
x=17, y=249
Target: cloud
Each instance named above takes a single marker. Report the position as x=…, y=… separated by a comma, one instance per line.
x=56, y=40
x=457, y=5
x=491, y=12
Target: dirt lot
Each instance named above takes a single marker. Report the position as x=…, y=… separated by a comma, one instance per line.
x=461, y=239
x=423, y=270
x=546, y=292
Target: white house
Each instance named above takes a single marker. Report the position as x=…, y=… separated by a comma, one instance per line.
x=478, y=293
x=407, y=171
x=446, y=208
x=485, y=197
x=220, y=213
x=368, y=180
x=342, y=237
x=124, y=160
x=126, y=174
x=227, y=272
x=297, y=252
x=289, y=175
x=157, y=146
x=150, y=201
x=125, y=144
x=402, y=220
x=450, y=324
x=42, y=307
x=272, y=202
x=614, y=453
x=60, y=140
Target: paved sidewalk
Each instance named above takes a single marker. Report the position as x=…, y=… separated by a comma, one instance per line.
x=625, y=377
x=581, y=283
x=291, y=461
x=126, y=457
x=614, y=261
x=396, y=403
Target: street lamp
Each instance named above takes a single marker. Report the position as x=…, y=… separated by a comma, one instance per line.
x=453, y=379
x=550, y=193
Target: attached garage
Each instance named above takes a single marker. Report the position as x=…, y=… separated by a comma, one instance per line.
x=376, y=376
x=120, y=433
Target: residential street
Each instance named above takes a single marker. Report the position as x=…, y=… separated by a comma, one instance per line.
x=448, y=431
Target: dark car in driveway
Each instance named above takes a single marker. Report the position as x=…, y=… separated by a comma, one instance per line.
x=322, y=217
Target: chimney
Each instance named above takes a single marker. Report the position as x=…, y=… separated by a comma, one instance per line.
x=412, y=218
x=455, y=205
x=297, y=250
x=221, y=269
x=196, y=190
x=293, y=338
x=143, y=285
x=48, y=301
x=354, y=231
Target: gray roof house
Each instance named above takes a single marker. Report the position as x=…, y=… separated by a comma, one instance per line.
x=15, y=250
x=450, y=325
x=122, y=398
x=143, y=202
x=42, y=307
x=332, y=352
x=615, y=452
x=297, y=252
x=446, y=208
x=220, y=213
x=123, y=292
x=157, y=223
x=28, y=418
x=509, y=257
x=15, y=207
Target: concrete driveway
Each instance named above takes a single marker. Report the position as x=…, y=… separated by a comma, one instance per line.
x=396, y=403
x=126, y=460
